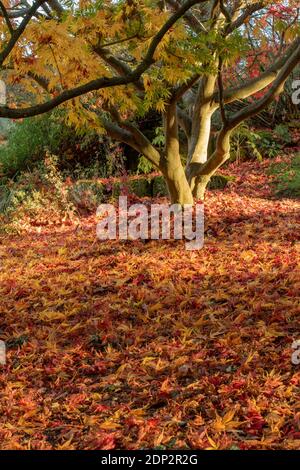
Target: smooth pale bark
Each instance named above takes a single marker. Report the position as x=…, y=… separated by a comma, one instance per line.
x=201, y=120
x=173, y=171
x=178, y=187
x=183, y=186
x=201, y=129
x=203, y=173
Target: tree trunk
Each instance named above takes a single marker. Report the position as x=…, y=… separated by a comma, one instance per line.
x=203, y=173
x=173, y=171
x=200, y=185
x=179, y=189
x=201, y=132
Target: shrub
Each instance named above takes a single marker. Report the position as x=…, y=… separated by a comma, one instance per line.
x=38, y=197
x=26, y=143
x=220, y=181
x=86, y=195
x=287, y=178
x=84, y=154
x=141, y=187
x=283, y=134
x=244, y=144
x=144, y=166
x=159, y=187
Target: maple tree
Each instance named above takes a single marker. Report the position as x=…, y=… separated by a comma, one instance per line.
x=126, y=345
x=186, y=59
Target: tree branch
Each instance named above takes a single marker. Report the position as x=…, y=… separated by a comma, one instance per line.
x=182, y=89
x=244, y=16
x=19, y=31
x=56, y=6
x=99, y=83
x=254, y=85
x=221, y=92
x=275, y=90
x=225, y=11
x=7, y=19
x=190, y=18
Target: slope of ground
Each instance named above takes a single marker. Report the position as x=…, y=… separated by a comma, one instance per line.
x=130, y=345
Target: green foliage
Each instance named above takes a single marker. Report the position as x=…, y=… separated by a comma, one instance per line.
x=81, y=154
x=141, y=187
x=5, y=125
x=159, y=187
x=95, y=170
x=159, y=139
x=37, y=195
x=144, y=166
x=287, y=178
x=220, y=181
x=283, y=134
x=267, y=144
x=244, y=143
x=27, y=141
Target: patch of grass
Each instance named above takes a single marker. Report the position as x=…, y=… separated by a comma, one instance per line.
x=287, y=178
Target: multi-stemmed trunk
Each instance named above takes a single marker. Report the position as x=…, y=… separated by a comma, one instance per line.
x=213, y=21
x=189, y=183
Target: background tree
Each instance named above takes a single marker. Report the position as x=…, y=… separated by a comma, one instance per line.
x=186, y=59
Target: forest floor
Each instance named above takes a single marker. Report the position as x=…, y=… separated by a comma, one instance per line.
x=130, y=345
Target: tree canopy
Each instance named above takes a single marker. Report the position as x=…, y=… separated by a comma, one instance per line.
x=110, y=62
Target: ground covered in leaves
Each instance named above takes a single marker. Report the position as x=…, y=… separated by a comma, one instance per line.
x=130, y=345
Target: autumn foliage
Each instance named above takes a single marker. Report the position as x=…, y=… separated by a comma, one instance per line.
x=129, y=345
x=110, y=62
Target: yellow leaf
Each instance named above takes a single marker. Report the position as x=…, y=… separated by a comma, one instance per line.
x=109, y=425
x=214, y=445
x=155, y=307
